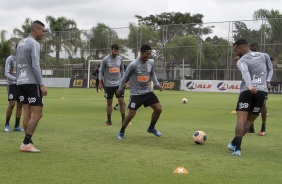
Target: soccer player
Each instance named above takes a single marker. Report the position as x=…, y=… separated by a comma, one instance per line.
x=254, y=48
x=112, y=68
x=139, y=73
x=253, y=89
x=96, y=75
x=13, y=96
x=30, y=83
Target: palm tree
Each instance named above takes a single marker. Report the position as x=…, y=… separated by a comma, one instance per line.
x=101, y=38
x=63, y=33
x=25, y=29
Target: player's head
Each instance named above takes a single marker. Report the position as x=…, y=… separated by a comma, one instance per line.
x=114, y=50
x=254, y=47
x=240, y=47
x=15, y=49
x=145, y=52
x=272, y=60
x=37, y=30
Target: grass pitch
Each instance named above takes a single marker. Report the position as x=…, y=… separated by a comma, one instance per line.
x=77, y=148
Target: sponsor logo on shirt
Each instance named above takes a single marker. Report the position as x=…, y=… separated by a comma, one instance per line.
x=113, y=70
x=142, y=78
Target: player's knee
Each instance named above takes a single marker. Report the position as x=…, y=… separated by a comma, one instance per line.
x=11, y=105
x=158, y=110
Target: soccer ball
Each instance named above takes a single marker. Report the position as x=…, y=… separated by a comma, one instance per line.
x=184, y=100
x=199, y=137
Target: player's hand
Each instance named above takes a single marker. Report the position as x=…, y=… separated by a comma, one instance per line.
x=100, y=86
x=252, y=89
x=268, y=85
x=236, y=59
x=119, y=93
x=160, y=87
x=43, y=90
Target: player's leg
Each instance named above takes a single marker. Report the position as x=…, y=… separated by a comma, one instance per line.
x=121, y=105
x=126, y=121
x=12, y=95
x=263, y=119
x=235, y=144
x=243, y=108
x=32, y=114
x=153, y=102
x=109, y=93
x=9, y=112
x=97, y=85
x=26, y=116
x=134, y=103
x=17, y=126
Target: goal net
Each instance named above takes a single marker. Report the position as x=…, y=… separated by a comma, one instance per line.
x=92, y=64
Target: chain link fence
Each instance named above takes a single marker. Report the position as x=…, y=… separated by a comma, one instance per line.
x=191, y=51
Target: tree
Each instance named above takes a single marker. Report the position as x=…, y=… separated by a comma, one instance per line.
x=273, y=18
x=175, y=23
x=5, y=49
x=172, y=24
x=139, y=35
x=179, y=48
x=63, y=33
x=242, y=31
x=26, y=26
x=101, y=38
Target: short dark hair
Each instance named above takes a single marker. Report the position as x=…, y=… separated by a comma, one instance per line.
x=271, y=59
x=254, y=45
x=115, y=46
x=144, y=48
x=38, y=22
x=240, y=42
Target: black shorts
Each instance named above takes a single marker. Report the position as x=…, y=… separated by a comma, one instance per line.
x=30, y=94
x=147, y=99
x=13, y=93
x=251, y=102
x=110, y=91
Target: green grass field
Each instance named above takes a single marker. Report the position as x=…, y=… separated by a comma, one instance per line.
x=76, y=148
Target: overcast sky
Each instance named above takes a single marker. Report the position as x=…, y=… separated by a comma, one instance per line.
x=87, y=13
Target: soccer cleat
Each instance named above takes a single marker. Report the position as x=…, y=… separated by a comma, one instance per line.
x=18, y=128
x=261, y=133
x=7, y=128
x=108, y=124
x=155, y=132
x=115, y=108
x=231, y=147
x=120, y=135
x=237, y=153
x=29, y=148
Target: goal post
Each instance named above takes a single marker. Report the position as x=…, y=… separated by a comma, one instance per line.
x=96, y=62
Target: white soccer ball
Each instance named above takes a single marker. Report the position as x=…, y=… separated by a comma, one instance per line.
x=184, y=100
x=199, y=137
